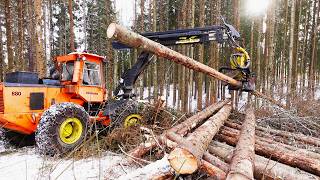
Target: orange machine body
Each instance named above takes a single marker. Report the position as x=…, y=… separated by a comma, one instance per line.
x=17, y=99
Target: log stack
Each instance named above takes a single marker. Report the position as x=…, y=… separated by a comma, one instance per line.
x=204, y=144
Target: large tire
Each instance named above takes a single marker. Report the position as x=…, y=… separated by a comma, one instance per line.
x=120, y=116
x=51, y=138
x=14, y=139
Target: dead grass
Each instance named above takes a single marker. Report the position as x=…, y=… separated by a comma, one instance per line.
x=128, y=138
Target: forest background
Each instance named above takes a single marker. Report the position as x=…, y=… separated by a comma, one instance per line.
x=281, y=36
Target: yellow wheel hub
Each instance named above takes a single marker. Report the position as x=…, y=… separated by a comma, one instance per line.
x=70, y=130
x=132, y=120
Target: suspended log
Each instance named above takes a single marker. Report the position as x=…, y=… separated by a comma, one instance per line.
x=182, y=128
x=185, y=158
x=135, y=40
x=242, y=163
x=276, y=151
x=263, y=168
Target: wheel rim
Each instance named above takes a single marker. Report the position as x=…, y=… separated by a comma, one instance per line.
x=132, y=120
x=70, y=130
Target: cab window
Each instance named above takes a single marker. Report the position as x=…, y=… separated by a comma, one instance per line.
x=91, y=74
x=67, y=71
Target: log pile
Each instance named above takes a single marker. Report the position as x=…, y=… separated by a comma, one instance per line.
x=211, y=144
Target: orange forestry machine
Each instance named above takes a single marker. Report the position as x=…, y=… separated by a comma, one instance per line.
x=60, y=110
x=57, y=112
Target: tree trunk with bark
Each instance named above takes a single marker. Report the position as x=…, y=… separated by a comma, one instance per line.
x=276, y=151
x=201, y=55
x=40, y=59
x=8, y=22
x=71, y=24
x=267, y=131
x=135, y=40
x=242, y=163
x=21, y=62
x=264, y=168
x=291, y=53
x=182, y=128
x=185, y=159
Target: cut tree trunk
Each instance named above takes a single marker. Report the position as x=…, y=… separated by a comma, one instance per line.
x=263, y=168
x=242, y=163
x=185, y=127
x=216, y=162
x=212, y=170
x=186, y=157
x=210, y=165
x=135, y=40
x=182, y=128
x=267, y=131
x=277, y=152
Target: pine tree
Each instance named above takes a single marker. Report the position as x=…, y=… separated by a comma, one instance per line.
x=71, y=24
x=8, y=22
x=39, y=51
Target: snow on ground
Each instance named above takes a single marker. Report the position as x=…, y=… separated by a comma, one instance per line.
x=25, y=163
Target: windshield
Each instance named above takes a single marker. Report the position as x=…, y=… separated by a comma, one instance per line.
x=67, y=71
x=91, y=74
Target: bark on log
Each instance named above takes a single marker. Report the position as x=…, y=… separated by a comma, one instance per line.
x=212, y=170
x=300, y=137
x=241, y=167
x=216, y=162
x=277, y=152
x=185, y=159
x=210, y=165
x=182, y=128
x=135, y=40
x=186, y=126
x=263, y=168
x=229, y=132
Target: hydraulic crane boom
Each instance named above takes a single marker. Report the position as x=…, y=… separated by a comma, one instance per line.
x=220, y=34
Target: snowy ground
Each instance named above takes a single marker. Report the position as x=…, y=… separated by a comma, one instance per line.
x=25, y=163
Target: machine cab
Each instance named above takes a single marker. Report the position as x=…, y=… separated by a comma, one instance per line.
x=82, y=75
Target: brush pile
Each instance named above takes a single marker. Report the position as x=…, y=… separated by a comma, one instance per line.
x=219, y=144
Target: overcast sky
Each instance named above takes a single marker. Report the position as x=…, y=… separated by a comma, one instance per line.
x=125, y=10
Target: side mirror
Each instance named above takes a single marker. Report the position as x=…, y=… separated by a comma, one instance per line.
x=77, y=75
